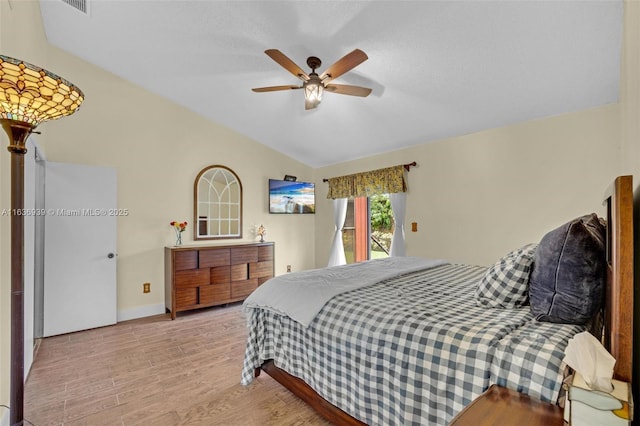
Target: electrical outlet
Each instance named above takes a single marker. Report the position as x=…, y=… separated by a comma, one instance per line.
x=146, y=288
x=288, y=268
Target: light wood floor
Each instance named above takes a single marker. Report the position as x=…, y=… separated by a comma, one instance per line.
x=155, y=371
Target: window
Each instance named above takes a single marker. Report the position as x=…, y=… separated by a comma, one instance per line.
x=368, y=228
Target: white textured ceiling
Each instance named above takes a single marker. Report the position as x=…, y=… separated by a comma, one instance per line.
x=437, y=68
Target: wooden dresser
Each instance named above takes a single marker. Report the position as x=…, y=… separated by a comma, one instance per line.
x=201, y=276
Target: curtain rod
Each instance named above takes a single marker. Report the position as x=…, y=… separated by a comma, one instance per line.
x=406, y=166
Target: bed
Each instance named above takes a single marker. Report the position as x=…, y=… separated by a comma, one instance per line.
x=418, y=345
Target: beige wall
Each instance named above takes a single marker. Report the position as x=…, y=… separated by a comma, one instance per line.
x=478, y=196
x=630, y=91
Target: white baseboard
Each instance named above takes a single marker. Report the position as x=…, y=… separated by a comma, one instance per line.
x=141, y=312
x=4, y=420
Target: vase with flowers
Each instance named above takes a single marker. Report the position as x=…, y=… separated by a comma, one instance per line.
x=179, y=227
x=261, y=232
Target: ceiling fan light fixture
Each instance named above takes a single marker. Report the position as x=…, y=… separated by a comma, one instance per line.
x=313, y=93
x=313, y=84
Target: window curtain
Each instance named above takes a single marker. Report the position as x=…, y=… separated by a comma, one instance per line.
x=382, y=181
x=336, y=255
x=398, y=207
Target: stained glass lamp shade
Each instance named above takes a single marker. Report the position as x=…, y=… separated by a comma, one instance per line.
x=31, y=95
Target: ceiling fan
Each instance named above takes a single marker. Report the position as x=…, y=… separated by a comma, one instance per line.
x=313, y=84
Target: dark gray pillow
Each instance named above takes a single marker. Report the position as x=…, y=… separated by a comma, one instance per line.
x=568, y=274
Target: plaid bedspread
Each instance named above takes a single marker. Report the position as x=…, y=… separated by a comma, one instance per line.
x=413, y=349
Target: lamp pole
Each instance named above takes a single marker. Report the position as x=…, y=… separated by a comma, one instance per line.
x=18, y=132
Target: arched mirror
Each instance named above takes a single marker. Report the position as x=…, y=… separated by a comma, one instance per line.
x=217, y=204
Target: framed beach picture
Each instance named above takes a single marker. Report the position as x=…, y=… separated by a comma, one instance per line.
x=287, y=197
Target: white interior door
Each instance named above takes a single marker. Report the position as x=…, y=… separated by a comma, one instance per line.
x=79, y=248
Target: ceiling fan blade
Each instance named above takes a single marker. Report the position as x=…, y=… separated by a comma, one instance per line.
x=345, y=89
x=287, y=63
x=275, y=88
x=344, y=64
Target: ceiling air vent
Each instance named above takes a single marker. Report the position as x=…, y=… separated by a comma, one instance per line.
x=80, y=5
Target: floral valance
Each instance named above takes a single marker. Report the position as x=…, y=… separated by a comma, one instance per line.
x=366, y=184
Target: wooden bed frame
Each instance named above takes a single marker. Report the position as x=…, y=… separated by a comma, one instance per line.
x=618, y=310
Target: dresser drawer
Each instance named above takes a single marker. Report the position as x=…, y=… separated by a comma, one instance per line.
x=243, y=288
x=265, y=253
x=191, y=278
x=221, y=274
x=244, y=255
x=214, y=293
x=214, y=257
x=240, y=272
x=185, y=260
x=261, y=269
x=186, y=297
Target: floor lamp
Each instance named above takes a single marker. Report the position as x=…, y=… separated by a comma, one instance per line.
x=29, y=95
